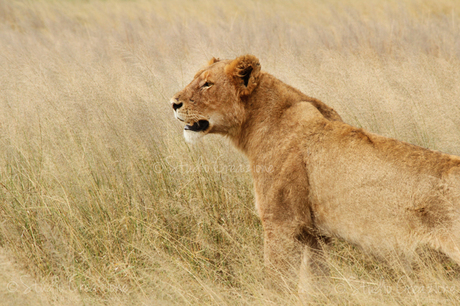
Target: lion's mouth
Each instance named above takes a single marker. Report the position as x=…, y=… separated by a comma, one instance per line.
x=200, y=126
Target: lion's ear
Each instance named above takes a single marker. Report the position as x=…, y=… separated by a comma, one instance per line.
x=213, y=60
x=244, y=71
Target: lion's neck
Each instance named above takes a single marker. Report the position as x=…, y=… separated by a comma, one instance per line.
x=264, y=111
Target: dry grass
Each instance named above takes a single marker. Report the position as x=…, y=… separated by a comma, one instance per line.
x=99, y=193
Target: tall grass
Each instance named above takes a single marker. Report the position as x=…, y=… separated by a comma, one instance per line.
x=99, y=191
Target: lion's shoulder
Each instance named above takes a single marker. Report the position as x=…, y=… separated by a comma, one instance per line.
x=290, y=96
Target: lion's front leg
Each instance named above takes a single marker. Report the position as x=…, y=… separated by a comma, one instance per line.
x=294, y=258
x=289, y=230
x=282, y=255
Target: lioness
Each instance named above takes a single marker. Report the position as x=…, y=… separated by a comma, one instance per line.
x=329, y=179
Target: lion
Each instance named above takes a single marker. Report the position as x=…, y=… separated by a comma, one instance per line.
x=328, y=178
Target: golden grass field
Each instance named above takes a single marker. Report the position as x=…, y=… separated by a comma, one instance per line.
x=102, y=201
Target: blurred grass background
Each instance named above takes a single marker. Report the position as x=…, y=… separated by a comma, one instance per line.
x=101, y=198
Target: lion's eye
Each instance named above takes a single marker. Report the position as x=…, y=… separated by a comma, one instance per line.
x=207, y=85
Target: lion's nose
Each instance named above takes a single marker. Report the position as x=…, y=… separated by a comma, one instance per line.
x=176, y=105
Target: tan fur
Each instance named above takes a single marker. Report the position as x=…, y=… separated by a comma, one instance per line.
x=328, y=179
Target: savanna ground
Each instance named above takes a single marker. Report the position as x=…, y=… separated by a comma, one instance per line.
x=102, y=201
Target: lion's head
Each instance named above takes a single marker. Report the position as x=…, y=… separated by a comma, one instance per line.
x=212, y=102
